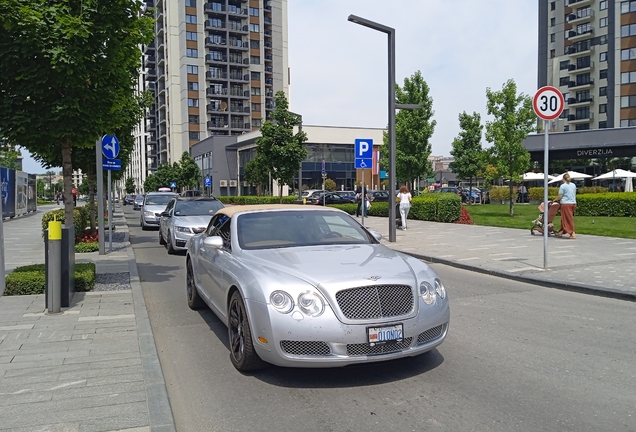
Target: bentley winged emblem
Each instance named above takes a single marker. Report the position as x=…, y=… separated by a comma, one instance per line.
x=374, y=278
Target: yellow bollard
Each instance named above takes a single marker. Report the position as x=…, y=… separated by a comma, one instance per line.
x=54, y=264
x=304, y=200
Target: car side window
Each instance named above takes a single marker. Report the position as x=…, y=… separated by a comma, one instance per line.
x=170, y=205
x=224, y=232
x=215, y=223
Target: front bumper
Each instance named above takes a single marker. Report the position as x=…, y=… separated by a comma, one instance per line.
x=295, y=340
x=180, y=240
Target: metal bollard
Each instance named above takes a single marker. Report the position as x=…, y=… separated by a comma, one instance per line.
x=54, y=276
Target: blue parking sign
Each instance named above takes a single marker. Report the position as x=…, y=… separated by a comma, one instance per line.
x=208, y=182
x=364, y=153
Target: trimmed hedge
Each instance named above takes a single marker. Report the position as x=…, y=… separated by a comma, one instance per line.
x=536, y=193
x=621, y=204
x=80, y=219
x=250, y=200
x=31, y=279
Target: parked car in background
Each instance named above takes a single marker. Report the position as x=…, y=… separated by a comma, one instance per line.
x=378, y=195
x=129, y=199
x=154, y=204
x=328, y=198
x=308, y=286
x=184, y=217
x=347, y=195
x=307, y=193
x=191, y=193
x=471, y=195
x=138, y=202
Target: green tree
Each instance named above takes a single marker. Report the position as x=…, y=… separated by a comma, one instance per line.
x=514, y=119
x=257, y=174
x=8, y=155
x=40, y=185
x=413, y=131
x=189, y=172
x=165, y=174
x=130, y=185
x=68, y=69
x=282, y=150
x=467, y=151
x=83, y=188
x=330, y=185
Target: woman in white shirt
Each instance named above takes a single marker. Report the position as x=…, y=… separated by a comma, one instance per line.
x=405, y=204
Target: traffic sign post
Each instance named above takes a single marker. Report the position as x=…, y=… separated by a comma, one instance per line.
x=173, y=185
x=548, y=104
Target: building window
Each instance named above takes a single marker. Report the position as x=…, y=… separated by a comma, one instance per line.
x=255, y=60
x=253, y=11
x=603, y=5
x=193, y=102
x=552, y=53
x=566, y=128
x=602, y=124
x=552, y=5
x=603, y=56
x=565, y=113
x=552, y=37
x=256, y=122
x=602, y=40
x=628, y=6
x=255, y=91
x=552, y=22
x=629, y=122
x=193, y=119
x=191, y=52
x=602, y=22
x=564, y=64
x=583, y=78
x=255, y=43
x=583, y=62
x=194, y=135
x=563, y=81
x=192, y=69
x=256, y=107
x=602, y=74
x=255, y=76
x=193, y=85
x=628, y=77
x=583, y=126
x=628, y=30
x=191, y=3
x=602, y=108
x=602, y=91
x=628, y=54
x=191, y=19
x=628, y=101
x=255, y=28
x=191, y=36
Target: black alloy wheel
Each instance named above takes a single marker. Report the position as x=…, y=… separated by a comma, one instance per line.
x=171, y=249
x=242, y=353
x=195, y=301
x=162, y=241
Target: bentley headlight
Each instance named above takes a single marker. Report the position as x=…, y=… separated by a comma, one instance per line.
x=427, y=292
x=439, y=289
x=281, y=301
x=311, y=304
x=183, y=229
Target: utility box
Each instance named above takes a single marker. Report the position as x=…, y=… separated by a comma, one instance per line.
x=68, y=265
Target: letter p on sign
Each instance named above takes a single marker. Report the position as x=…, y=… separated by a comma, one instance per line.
x=364, y=148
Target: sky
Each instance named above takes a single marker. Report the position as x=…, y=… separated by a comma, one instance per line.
x=339, y=69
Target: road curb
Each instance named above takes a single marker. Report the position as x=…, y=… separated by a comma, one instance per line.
x=566, y=286
x=159, y=408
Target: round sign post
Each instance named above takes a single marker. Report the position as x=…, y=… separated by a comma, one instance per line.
x=548, y=104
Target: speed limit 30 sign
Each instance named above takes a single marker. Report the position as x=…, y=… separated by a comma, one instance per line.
x=548, y=103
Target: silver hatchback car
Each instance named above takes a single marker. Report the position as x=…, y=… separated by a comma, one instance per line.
x=184, y=217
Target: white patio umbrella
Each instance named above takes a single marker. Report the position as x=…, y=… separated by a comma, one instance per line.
x=617, y=173
x=573, y=176
x=532, y=176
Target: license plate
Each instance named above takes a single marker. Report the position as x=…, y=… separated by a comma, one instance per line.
x=380, y=335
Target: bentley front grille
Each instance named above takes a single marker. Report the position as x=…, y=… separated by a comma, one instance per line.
x=305, y=348
x=379, y=301
x=366, y=349
x=430, y=335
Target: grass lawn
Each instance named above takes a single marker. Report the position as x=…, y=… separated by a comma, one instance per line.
x=499, y=215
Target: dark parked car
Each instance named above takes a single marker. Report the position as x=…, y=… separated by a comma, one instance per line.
x=129, y=199
x=347, y=195
x=191, y=193
x=138, y=203
x=329, y=198
x=379, y=195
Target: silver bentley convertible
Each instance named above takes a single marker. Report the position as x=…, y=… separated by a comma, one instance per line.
x=307, y=286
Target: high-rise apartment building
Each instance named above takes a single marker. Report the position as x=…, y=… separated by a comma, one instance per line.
x=587, y=49
x=214, y=69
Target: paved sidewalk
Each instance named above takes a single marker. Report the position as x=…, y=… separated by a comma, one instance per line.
x=601, y=265
x=92, y=368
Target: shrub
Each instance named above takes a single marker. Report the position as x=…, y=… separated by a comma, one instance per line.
x=31, y=279
x=448, y=207
x=536, y=193
x=499, y=193
x=80, y=219
x=84, y=247
x=606, y=204
x=256, y=200
x=591, y=190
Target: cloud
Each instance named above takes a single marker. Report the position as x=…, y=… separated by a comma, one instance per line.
x=339, y=69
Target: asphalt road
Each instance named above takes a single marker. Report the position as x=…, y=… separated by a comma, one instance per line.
x=518, y=357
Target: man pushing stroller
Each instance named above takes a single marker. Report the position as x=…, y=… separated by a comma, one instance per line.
x=553, y=209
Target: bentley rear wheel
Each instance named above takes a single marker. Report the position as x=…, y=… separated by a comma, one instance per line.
x=242, y=353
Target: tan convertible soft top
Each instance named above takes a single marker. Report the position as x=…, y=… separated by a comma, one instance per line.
x=233, y=209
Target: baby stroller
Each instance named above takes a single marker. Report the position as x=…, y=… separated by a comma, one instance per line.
x=553, y=209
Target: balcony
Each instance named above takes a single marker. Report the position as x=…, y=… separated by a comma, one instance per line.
x=268, y=45
x=214, y=8
x=576, y=69
x=578, y=3
x=574, y=102
x=215, y=75
x=214, y=25
x=269, y=94
x=152, y=86
x=236, y=27
x=151, y=124
x=580, y=118
x=233, y=10
x=236, y=109
x=270, y=105
x=214, y=41
x=159, y=29
x=580, y=17
x=151, y=74
x=577, y=36
x=579, y=51
x=217, y=125
x=239, y=44
x=267, y=20
x=236, y=59
x=151, y=148
x=213, y=91
x=268, y=5
x=269, y=82
x=240, y=125
x=215, y=108
x=239, y=77
x=150, y=61
x=215, y=58
x=269, y=69
x=581, y=86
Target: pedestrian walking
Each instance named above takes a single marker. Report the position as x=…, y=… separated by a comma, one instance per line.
x=57, y=198
x=74, y=192
x=567, y=198
x=404, y=198
x=359, y=191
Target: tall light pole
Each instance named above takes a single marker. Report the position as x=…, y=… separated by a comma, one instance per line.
x=300, y=168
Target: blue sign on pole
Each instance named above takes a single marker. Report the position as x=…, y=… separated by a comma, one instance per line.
x=111, y=164
x=208, y=182
x=173, y=185
x=364, y=153
x=110, y=146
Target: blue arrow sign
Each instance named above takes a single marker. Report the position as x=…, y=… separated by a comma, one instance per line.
x=111, y=164
x=110, y=146
x=173, y=185
x=364, y=153
x=208, y=182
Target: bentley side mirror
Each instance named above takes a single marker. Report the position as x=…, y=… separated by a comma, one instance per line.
x=376, y=234
x=165, y=214
x=214, y=242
